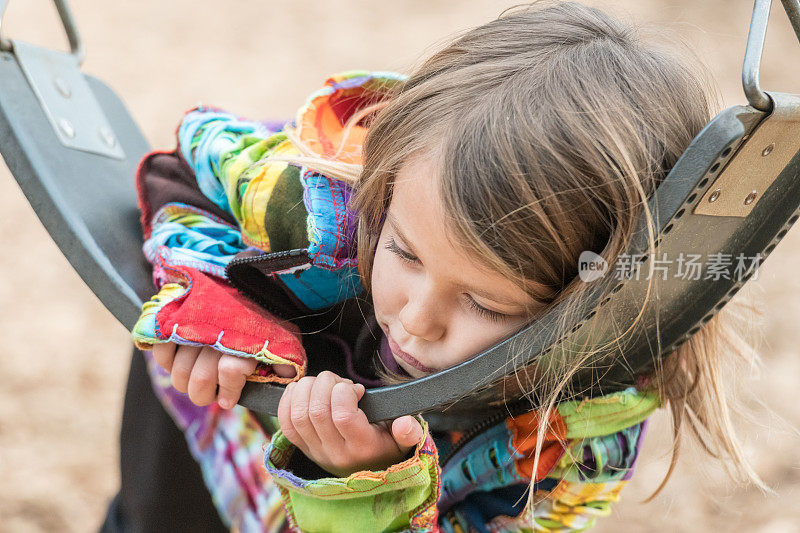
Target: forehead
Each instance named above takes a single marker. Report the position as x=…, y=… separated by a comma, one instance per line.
x=416, y=203
x=416, y=212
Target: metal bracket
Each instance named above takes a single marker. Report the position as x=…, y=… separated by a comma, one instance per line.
x=65, y=96
x=756, y=97
x=62, y=91
x=759, y=161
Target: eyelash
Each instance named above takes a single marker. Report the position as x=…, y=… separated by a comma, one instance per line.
x=399, y=252
x=494, y=316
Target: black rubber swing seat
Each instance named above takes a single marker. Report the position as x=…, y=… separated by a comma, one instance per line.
x=73, y=148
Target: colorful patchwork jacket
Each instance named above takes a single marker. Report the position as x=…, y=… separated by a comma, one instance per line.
x=243, y=245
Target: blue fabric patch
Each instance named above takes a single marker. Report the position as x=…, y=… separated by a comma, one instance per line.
x=484, y=463
x=318, y=288
x=188, y=236
x=331, y=228
x=480, y=508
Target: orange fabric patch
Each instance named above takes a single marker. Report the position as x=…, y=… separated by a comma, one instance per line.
x=322, y=126
x=524, y=429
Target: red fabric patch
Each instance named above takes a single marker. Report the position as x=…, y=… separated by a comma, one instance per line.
x=346, y=102
x=211, y=311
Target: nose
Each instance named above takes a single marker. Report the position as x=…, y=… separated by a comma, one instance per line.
x=422, y=317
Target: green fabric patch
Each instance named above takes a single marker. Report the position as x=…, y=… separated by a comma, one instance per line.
x=285, y=219
x=607, y=414
x=365, y=501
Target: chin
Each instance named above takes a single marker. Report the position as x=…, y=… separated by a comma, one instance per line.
x=410, y=370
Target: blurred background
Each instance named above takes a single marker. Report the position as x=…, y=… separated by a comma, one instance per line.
x=64, y=359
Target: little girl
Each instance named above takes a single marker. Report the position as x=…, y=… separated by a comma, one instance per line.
x=476, y=183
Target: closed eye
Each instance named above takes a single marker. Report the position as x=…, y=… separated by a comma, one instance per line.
x=393, y=247
x=494, y=316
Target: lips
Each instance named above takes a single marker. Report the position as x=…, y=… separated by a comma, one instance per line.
x=407, y=357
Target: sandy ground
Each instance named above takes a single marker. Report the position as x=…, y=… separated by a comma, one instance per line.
x=65, y=359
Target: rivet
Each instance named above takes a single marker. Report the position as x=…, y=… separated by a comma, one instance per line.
x=750, y=197
x=714, y=196
x=66, y=128
x=108, y=137
x=62, y=86
x=768, y=150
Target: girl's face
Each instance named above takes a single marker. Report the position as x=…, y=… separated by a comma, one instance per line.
x=436, y=306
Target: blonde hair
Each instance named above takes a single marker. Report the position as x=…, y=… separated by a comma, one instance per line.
x=551, y=127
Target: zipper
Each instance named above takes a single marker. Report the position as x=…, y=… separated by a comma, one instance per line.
x=285, y=259
x=474, y=431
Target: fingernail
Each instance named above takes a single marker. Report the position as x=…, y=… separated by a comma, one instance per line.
x=225, y=403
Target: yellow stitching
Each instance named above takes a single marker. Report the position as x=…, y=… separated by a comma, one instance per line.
x=612, y=399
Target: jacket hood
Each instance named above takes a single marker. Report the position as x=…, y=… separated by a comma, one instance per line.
x=321, y=121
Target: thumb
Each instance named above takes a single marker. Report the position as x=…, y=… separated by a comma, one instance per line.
x=406, y=431
x=360, y=390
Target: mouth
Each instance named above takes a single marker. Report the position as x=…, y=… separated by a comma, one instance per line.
x=408, y=358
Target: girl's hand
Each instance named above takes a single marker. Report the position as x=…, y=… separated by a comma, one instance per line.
x=198, y=371
x=320, y=415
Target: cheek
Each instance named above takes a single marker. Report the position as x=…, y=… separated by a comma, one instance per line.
x=476, y=335
x=386, y=288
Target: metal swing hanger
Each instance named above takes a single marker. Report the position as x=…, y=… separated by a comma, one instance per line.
x=75, y=44
x=756, y=97
x=734, y=191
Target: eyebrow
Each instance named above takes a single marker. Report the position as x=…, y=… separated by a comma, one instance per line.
x=477, y=290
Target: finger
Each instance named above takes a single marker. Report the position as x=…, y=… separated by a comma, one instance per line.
x=285, y=418
x=300, y=416
x=284, y=371
x=185, y=356
x=164, y=353
x=203, y=379
x=350, y=421
x=319, y=411
x=232, y=374
x=407, y=432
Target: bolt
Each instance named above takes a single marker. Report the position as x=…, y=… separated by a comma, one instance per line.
x=768, y=150
x=714, y=196
x=67, y=128
x=750, y=197
x=107, y=137
x=62, y=86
